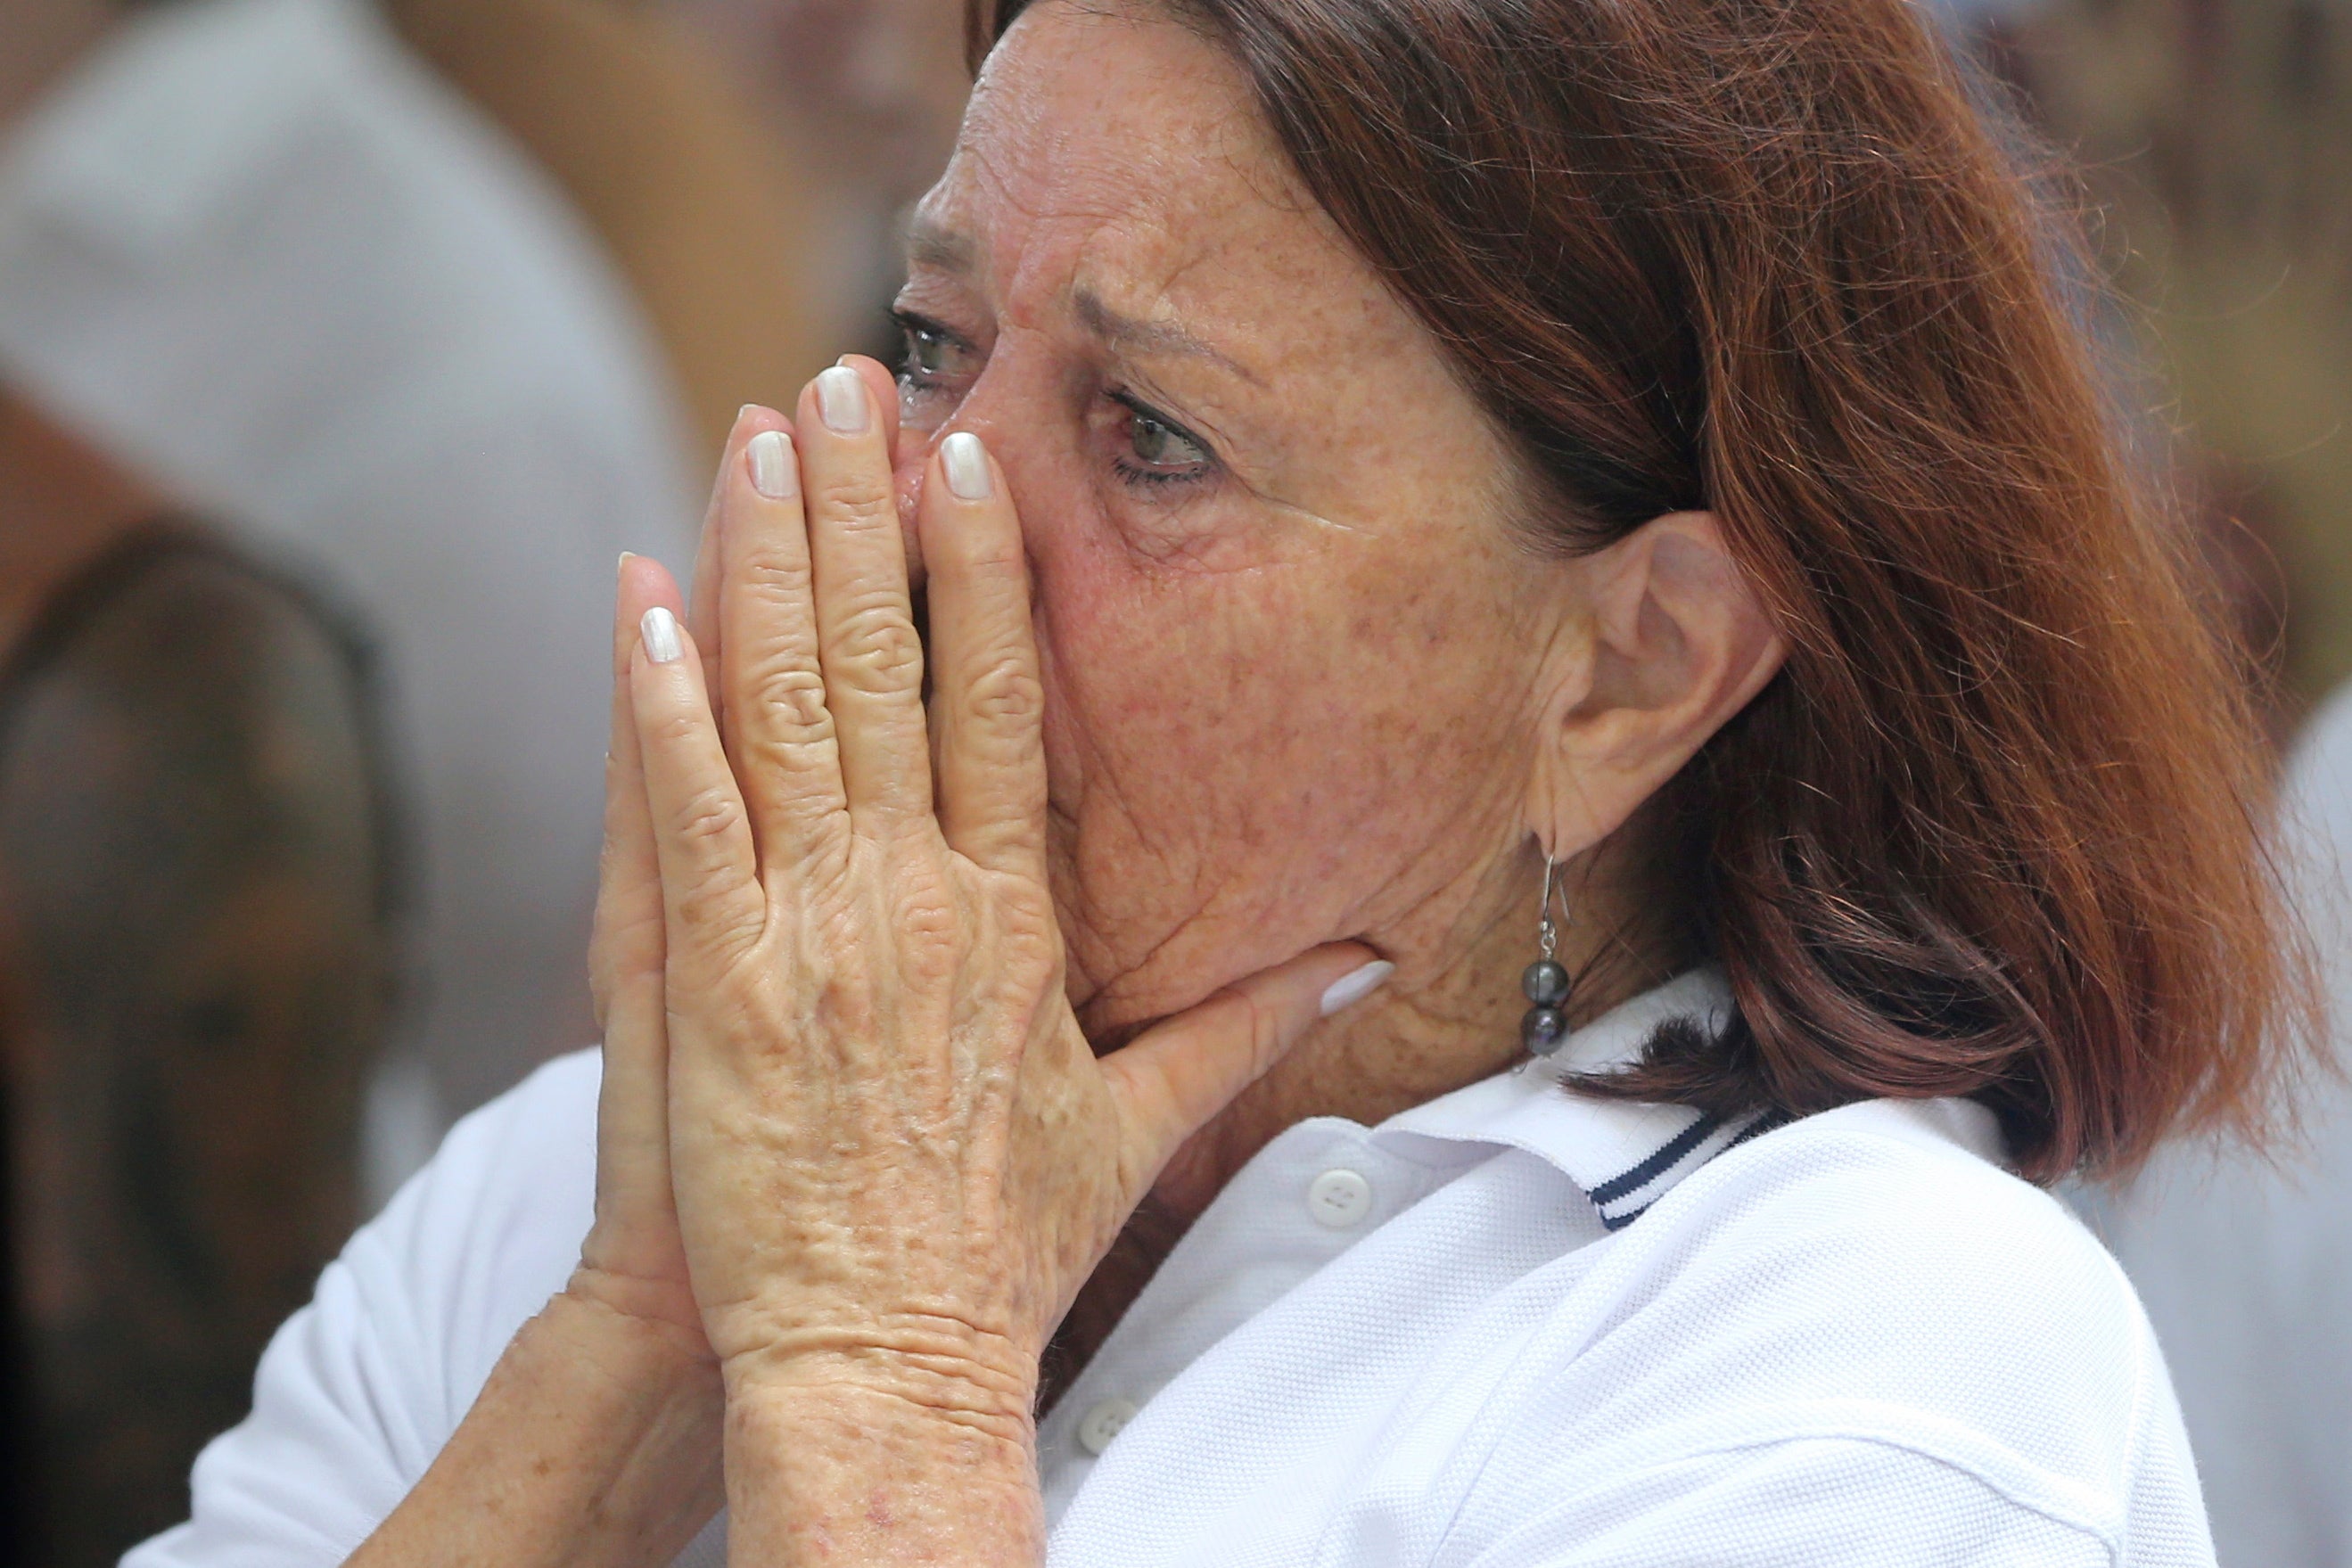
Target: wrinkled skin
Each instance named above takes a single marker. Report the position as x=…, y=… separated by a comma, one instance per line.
x=1293, y=696
x=921, y=968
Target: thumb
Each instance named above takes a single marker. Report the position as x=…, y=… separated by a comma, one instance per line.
x=1171, y=1079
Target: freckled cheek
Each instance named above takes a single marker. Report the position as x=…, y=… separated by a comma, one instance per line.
x=1260, y=703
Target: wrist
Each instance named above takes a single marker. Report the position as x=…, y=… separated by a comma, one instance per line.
x=654, y=1312
x=936, y=1369
x=597, y=1441
x=852, y=1462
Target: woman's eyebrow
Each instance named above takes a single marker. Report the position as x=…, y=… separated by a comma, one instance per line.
x=929, y=244
x=1149, y=337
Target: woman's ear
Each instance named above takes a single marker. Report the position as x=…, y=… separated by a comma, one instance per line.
x=1677, y=643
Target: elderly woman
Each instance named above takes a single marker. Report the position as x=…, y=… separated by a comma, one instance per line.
x=1526, y=757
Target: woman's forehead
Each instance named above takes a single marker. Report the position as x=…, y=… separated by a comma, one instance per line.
x=1114, y=169
x=1124, y=131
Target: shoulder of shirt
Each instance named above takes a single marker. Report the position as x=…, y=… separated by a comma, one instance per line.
x=1862, y=1166
x=1891, y=1193
x=1861, y=1274
x=527, y=1157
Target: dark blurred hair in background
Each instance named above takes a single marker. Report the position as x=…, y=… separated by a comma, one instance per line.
x=197, y=888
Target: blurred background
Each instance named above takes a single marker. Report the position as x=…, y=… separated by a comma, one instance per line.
x=343, y=345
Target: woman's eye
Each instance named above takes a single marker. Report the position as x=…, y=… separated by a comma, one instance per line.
x=927, y=352
x=935, y=369
x=1157, y=450
x=1160, y=443
x=931, y=354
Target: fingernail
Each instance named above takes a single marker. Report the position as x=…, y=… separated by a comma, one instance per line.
x=1355, y=985
x=841, y=400
x=627, y=556
x=659, y=631
x=773, y=473
x=966, y=463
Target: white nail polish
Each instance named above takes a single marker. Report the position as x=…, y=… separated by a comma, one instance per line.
x=659, y=631
x=841, y=401
x=773, y=473
x=1355, y=985
x=966, y=463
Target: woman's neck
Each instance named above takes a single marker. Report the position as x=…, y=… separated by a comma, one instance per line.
x=1434, y=1027
x=1409, y=1044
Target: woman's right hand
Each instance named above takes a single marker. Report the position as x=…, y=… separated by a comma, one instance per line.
x=596, y=1441
x=631, y=1261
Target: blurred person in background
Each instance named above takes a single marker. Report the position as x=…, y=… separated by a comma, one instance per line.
x=428, y=304
x=196, y=882
x=868, y=93
x=257, y=251
x=746, y=161
x=2246, y=1266
x=315, y=263
x=258, y=264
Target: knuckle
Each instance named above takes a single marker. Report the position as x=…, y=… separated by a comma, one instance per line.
x=778, y=578
x=1030, y=952
x=1264, y=1034
x=858, y=502
x=791, y=700
x=1005, y=694
x=878, y=649
x=713, y=912
x=986, y=554
x=707, y=818
x=678, y=728
x=1247, y=1017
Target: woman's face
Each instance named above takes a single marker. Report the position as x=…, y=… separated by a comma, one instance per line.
x=1291, y=643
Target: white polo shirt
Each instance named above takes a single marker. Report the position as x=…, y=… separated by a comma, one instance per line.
x=1512, y=1328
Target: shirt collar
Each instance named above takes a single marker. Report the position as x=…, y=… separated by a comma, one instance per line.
x=1624, y=1155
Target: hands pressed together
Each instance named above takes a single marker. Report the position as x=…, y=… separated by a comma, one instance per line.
x=851, y=1134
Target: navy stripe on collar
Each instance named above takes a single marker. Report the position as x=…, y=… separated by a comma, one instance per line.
x=1625, y=1198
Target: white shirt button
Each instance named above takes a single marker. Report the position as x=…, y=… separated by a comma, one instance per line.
x=1103, y=1423
x=1340, y=1198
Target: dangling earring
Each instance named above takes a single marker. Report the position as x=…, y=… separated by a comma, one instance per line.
x=1546, y=981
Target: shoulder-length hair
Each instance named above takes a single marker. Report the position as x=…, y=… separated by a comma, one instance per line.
x=1993, y=831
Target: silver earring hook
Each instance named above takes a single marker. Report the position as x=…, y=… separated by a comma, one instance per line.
x=1546, y=933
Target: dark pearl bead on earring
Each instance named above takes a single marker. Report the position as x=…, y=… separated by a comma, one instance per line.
x=1545, y=1026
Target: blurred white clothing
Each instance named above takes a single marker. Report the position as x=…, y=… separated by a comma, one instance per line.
x=2246, y=1268
x=257, y=251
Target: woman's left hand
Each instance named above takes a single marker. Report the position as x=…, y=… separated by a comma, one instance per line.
x=895, y=1154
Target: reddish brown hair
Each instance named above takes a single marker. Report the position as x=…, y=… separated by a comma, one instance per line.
x=1992, y=830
